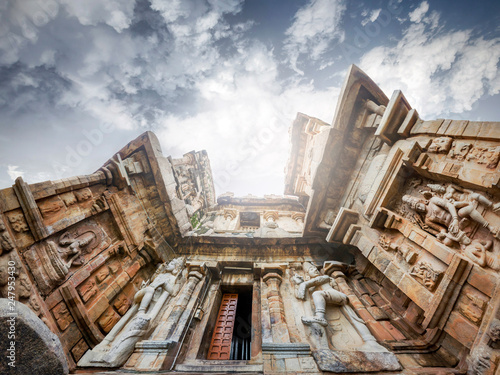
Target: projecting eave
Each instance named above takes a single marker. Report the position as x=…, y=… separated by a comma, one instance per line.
x=341, y=151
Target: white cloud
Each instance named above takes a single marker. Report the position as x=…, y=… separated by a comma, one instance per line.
x=418, y=14
x=314, y=27
x=115, y=13
x=13, y=172
x=371, y=17
x=244, y=123
x=439, y=71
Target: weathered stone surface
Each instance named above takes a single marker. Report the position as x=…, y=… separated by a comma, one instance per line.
x=36, y=349
x=355, y=361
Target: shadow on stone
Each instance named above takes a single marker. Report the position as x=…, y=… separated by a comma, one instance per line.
x=27, y=343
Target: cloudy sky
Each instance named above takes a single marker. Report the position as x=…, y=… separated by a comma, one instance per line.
x=80, y=79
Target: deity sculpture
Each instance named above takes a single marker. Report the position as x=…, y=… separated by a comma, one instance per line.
x=441, y=218
x=163, y=279
x=120, y=342
x=326, y=293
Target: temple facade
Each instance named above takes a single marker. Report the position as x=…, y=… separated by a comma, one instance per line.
x=381, y=257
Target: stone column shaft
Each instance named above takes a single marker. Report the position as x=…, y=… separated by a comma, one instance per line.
x=279, y=328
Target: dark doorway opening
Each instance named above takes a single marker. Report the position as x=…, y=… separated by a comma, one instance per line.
x=242, y=333
x=232, y=333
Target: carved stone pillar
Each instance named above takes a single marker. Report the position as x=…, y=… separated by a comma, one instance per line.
x=276, y=308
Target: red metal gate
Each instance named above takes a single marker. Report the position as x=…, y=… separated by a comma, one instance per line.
x=220, y=347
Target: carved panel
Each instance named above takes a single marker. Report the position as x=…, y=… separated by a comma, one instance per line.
x=485, y=155
x=51, y=260
x=51, y=206
x=460, y=150
x=62, y=316
x=17, y=222
x=87, y=290
x=426, y=275
x=101, y=274
x=83, y=195
x=440, y=145
x=122, y=304
x=472, y=306
x=79, y=350
x=454, y=215
x=108, y=320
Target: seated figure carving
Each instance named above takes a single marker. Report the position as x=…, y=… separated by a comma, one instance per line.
x=480, y=251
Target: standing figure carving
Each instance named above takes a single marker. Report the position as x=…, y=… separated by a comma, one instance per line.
x=120, y=342
x=164, y=279
x=325, y=293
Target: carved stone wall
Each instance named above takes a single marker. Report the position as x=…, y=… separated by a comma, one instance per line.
x=81, y=247
x=386, y=259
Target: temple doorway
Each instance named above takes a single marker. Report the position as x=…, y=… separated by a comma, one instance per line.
x=231, y=338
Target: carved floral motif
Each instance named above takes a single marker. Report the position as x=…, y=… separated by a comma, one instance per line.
x=17, y=222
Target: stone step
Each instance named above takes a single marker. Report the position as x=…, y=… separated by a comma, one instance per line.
x=225, y=367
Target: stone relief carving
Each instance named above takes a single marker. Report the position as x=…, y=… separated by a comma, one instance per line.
x=480, y=362
x=424, y=272
x=51, y=206
x=51, y=261
x=494, y=334
x=485, y=155
x=440, y=145
x=473, y=307
x=62, y=316
x=460, y=150
x=404, y=252
x=120, y=342
x=6, y=243
x=481, y=253
x=83, y=195
x=100, y=204
x=449, y=209
x=323, y=290
x=17, y=222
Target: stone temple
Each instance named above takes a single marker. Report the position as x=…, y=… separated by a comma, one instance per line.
x=381, y=257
